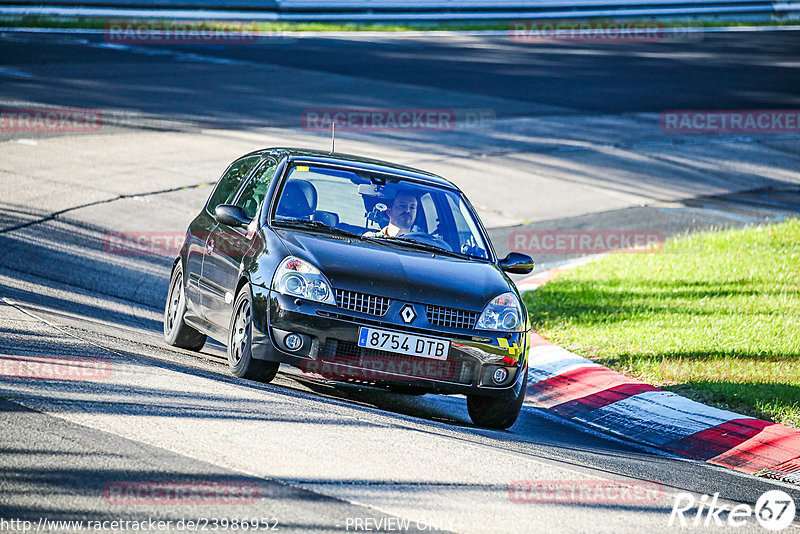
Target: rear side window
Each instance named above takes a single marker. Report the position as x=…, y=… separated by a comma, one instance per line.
x=253, y=193
x=230, y=182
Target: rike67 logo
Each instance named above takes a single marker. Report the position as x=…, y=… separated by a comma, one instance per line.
x=774, y=510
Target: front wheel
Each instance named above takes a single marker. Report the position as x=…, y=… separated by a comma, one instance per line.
x=240, y=343
x=176, y=332
x=497, y=412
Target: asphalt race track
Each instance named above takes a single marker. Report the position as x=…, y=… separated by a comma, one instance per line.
x=571, y=138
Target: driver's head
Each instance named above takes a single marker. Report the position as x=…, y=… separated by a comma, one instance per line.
x=403, y=212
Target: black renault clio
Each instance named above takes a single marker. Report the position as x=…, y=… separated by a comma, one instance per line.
x=354, y=270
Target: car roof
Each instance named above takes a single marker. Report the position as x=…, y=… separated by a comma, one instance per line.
x=357, y=162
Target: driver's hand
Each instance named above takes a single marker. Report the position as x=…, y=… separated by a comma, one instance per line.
x=468, y=245
x=471, y=248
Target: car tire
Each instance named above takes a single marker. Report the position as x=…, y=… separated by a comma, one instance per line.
x=176, y=332
x=497, y=412
x=240, y=342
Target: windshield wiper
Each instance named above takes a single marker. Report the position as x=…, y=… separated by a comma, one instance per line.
x=419, y=244
x=315, y=225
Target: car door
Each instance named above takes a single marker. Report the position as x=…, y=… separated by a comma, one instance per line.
x=226, y=246
x=202, y=227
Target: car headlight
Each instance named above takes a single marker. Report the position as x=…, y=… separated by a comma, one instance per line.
x=299, y=278
x=504, y=313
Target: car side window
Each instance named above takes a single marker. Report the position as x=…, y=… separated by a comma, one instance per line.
x=429, y=210
x=466, y=229
x=230, y=182
x=253, y=193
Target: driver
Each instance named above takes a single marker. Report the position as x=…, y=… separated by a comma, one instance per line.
x=402, y=215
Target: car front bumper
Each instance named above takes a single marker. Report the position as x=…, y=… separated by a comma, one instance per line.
x=330, y=349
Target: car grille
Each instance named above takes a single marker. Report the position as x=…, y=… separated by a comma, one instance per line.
x=451, y=317
x=362, y=302
x=365, y=361
x=341, y=349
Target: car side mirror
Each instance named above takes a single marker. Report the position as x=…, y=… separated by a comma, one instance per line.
x=231, y=215
x=516, y=263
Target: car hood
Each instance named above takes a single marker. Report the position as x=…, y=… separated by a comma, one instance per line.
x=399, y=273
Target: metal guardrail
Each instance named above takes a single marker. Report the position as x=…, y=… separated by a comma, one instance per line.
x=426, y=10
x=378, y=6
x=441, y=10
x=547, y=9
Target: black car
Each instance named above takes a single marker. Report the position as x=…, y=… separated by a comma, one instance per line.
x=355, y=270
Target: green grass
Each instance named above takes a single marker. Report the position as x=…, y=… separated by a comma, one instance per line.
x=714, y=317
x=35, y=21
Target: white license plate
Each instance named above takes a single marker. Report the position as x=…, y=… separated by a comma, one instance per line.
x=400, y=343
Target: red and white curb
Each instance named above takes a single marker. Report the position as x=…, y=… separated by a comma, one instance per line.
x=585, y=392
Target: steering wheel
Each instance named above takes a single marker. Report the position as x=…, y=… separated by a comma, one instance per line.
x=428, y=239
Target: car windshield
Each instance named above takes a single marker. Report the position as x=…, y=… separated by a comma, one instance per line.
x=391, y=209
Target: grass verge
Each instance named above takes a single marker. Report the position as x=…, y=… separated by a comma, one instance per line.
x=714, y=317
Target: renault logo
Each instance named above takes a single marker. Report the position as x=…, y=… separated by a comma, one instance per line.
x=407, y=314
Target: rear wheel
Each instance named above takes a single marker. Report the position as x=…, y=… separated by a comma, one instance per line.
x=176, y=332
x=240, y=343
x=497, y=412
